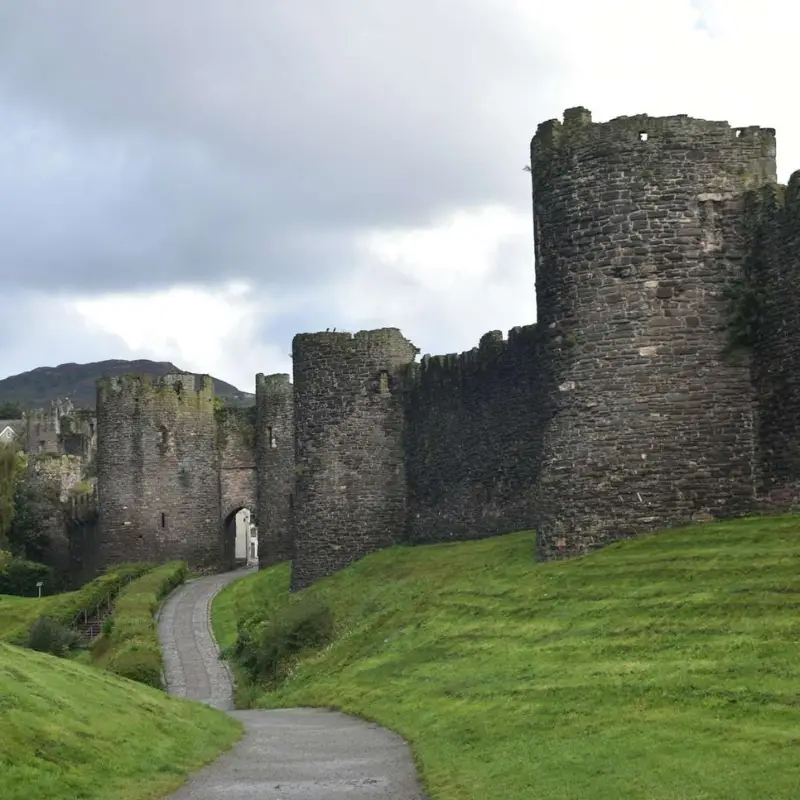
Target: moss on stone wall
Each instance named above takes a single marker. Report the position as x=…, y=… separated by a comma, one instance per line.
x=236, y=427
x=186, y=391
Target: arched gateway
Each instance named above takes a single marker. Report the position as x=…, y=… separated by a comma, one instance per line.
x=175, y=471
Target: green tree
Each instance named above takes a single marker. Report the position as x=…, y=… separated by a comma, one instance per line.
x=11, y=410
x=28, y=537
x=10, y=470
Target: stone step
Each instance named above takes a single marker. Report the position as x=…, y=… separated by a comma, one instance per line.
x=91, y=629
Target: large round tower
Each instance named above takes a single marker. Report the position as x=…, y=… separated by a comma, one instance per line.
x=157, y=471
x=638, y=231
x=350, y=496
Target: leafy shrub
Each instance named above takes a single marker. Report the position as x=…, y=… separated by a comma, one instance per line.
x=266, y=649
x=19, y=577
x=11, y=468
x=138, y=661
x=108, y=625
x=173, y=580
x=34, y=505
x=91, y=594
x=48, y=636
x=131, y=641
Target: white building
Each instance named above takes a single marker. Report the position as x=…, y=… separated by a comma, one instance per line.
x=10, y=430
x=246, y=547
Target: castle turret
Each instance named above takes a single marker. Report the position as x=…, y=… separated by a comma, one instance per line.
x=275, y=462
x=638, y=231
x=350, y=496
x=157, y=470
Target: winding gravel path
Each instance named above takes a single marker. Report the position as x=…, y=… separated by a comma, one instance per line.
x=286, y=754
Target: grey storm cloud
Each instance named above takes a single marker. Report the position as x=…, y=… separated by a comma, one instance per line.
x=58, y=336
x=157, y=142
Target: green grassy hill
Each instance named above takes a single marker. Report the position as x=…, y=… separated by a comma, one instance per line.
x=69, y=731
x=17, y=614
x=665, y=668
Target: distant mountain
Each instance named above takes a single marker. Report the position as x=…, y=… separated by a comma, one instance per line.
x=35, y=389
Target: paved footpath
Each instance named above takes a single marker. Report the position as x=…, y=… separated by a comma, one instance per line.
x=284, y=755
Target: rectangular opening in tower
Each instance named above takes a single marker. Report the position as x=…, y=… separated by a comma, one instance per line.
x=163, y=520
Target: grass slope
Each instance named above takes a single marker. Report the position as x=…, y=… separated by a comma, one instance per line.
x=665, y=668
x=69, y=731
x=17, y=614
x=129, y=646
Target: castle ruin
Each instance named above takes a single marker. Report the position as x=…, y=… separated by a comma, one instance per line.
x=660, y=243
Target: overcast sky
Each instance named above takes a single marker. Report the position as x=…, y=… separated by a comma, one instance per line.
x=198, y=180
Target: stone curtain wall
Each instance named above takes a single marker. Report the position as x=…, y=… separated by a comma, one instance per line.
x=350, y=496
x=637, y=237
x=81, y=526
x=157, y=455
x=236, y=444
x=473, y=439
x=275, y=457
x=770, y=298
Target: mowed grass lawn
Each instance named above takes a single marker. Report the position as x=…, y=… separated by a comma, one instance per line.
x=665, y=668
x=70, y=731
x=17, y=614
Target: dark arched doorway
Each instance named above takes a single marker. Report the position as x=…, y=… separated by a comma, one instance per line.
x=240, y=538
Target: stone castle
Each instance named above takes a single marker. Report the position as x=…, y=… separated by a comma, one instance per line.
x=659, y=385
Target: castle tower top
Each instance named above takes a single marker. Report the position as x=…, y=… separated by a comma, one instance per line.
x=180, y=390
x=577, y=136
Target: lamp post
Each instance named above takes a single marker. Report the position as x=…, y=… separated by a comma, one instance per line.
x=39, y=585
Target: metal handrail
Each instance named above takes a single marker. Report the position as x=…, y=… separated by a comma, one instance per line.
x=106, y=603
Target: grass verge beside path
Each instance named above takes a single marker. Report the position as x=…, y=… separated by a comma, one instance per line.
x=68, y=730
x=17, y=614
x=664, y=668
x=129, y=645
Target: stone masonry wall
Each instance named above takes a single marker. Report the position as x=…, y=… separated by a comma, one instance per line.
x=275, y=457
x=61, y=429
x=473, y=439
x=236, y=443
x=55, y=477
x=350, y=496
x=43, y=428
x=770, y=313
x=158, y=478
x=637, y=224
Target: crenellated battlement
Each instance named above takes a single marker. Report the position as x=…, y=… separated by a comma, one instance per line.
x=184, y=390
x=578, y=129
x=273, y=383
x=447, y=373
